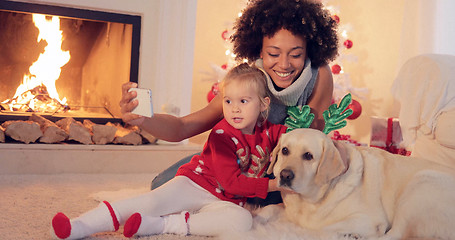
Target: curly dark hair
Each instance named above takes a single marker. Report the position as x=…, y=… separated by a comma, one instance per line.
x=263, y=18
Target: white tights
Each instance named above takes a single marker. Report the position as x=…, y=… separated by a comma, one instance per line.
x=209, y=216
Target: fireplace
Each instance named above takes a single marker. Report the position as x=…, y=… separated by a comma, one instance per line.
x=162, y=25
x=101, y=51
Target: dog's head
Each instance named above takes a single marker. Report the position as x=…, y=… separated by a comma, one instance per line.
x=306, y=161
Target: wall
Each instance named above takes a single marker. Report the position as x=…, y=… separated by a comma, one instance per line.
x=212, y=18
x=376, y=30
x=376, y=33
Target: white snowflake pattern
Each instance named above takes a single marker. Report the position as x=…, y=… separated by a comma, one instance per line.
x=217, y=190
x=201, y=162
x=219, y=131
x=235, y=140
x=241, y=204
x=198, y=169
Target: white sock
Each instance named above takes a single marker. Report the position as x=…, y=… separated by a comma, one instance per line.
x=93, y=221
x=177, y=223
x=138, y=225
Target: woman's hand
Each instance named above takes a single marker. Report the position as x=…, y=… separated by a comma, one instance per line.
x=127, y=105
x=168, y=127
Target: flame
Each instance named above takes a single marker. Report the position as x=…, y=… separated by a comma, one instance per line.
x=46, y=70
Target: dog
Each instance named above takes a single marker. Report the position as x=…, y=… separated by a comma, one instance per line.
x=362, y=192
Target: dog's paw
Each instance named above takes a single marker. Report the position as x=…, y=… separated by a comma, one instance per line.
x=268, y=213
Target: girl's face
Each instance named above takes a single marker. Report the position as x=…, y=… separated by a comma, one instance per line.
x=242, y=106
x=283, y=57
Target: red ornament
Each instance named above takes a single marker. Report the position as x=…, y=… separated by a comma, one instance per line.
x=225, y=35
x=336, y=69
x=348, y=43
x=213, y=92
x=336, y=18
x=224, y=66
x=356, y=108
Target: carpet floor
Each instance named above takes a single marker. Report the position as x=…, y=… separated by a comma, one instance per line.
x=28, y=203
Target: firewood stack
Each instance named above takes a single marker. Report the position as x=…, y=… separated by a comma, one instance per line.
x=2, y=134
x=40, y=129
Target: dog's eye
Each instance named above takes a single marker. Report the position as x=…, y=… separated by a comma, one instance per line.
x=285, y=151
x=307, y=156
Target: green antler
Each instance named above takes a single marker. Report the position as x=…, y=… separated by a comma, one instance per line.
x=298, y=118
x=335, y=115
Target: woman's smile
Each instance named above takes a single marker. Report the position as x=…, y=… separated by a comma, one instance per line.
x=283, y=74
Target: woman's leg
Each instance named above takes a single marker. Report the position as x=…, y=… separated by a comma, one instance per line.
x=170, y=172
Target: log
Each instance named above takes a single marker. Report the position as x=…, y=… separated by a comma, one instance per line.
x=2, y=134
x=75, y=130
x=101, y=134
x=23, y=131
x=126, y=136
x=149, y=138
x=51, y=132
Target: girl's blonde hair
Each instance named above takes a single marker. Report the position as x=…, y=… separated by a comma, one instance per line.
x=252, y=77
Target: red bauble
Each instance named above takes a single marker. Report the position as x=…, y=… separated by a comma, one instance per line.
x=348, y=43
x=213, y=92
x=336, y=18
x=224, y=66
x=356, y=108
x=336, y=69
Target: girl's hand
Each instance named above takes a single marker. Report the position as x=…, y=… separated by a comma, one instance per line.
x=127, y=105
x=273, y=187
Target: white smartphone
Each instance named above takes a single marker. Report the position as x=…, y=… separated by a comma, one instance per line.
x=145, y=106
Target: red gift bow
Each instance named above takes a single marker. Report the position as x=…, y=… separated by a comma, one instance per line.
x=389, y=143
x=338, y=136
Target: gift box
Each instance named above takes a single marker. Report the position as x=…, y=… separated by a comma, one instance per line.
x=386, y=134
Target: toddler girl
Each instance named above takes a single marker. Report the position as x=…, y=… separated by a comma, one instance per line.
x=207, y=195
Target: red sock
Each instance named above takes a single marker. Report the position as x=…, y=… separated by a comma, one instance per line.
x=62, y=226
x=132, y=225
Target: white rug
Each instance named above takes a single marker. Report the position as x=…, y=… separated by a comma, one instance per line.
x=277, y=227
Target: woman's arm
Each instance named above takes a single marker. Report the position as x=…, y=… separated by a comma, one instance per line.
x=168, y=127
x=321, y=98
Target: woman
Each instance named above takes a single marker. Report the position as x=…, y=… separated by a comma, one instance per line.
x=292, y=41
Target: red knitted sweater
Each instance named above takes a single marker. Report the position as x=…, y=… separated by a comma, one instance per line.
x=232, y=164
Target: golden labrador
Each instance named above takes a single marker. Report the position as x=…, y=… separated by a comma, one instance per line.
x=362, y=192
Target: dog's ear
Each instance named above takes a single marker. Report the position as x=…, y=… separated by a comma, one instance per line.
x=341, y=147
x=273, y=157
x=333, y=162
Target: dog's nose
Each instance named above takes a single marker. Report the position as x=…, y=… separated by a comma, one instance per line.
x=286, y=176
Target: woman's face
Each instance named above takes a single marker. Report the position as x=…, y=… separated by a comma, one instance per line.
x=284, y=57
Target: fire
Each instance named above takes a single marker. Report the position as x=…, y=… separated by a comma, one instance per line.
x=38, y=91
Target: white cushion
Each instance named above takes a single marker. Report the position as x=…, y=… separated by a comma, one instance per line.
x=445, y=129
